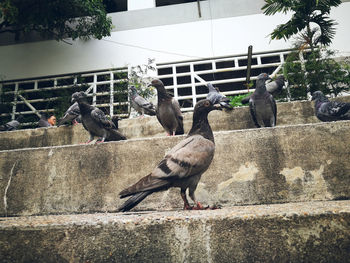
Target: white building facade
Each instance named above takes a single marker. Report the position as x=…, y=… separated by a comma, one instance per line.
x=174, y=32
x=192, y=42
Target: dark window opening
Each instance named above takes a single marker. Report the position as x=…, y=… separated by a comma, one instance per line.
x=113, y=6
x=165, y=71
x=272, y=59
x=185, y=91
x=225, y=64
x=173, y=2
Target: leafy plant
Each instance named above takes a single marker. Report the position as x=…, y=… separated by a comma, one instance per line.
x=139, y=77
x=305, y=14
x=55, y=19
x=322, y=72
x=236, y=100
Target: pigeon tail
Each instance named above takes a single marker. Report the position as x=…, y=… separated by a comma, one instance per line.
x=115, y=135
x=133, y=201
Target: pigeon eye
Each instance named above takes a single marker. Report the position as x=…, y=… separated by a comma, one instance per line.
x=207, y=104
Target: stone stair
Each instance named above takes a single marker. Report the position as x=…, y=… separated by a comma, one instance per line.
x=284, y=193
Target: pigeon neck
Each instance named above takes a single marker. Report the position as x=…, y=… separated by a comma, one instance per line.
x=260, y=86
x=212, y=89
x=162, y=94
x=83, y=106
x=201, y=126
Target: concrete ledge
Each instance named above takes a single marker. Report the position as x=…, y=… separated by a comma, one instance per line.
x=294, y=232
x=288, y=114
x=255, y=166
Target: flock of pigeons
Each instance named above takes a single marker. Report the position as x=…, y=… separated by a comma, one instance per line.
x=184, y=164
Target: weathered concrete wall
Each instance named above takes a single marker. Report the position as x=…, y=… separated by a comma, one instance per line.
x=271, y=165
x=288, y=113
x=298, y=232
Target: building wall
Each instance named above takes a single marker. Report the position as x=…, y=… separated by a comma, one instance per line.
x=169, y=33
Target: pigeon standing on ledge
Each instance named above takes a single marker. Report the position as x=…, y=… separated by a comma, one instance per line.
x=95, y=121
x=12, y=125
x=182, y=166
x=72, y=114
x=326, y=110
x=262, y=105
x=273, y=87
x=216, y=97
x=141, y=105
x=168, y=110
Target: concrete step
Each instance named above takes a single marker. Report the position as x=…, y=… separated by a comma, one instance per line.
x=300, y=112
x=254, y=166
x=293, y=232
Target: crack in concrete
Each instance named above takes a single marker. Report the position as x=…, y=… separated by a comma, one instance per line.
x=7, y=187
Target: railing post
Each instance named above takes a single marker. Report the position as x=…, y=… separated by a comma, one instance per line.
x=94, y=89
x=194, y=98
x=14, y=106
x=176, y=93
x=111, y=94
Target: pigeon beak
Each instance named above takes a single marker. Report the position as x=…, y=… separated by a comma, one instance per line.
x=217, y=107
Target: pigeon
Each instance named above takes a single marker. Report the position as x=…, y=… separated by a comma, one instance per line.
x=43, y=121
x=326, y=110
x=12, y=125
x=182, y=166
x=168, y=110
x=72, y=114
x=95, y=121
x=273, y=87
x=262, y=105
x=216, y=97
x=141, y=105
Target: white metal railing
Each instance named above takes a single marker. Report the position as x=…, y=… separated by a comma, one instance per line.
x=104, y=83
x=270, y=62
x=100, y=85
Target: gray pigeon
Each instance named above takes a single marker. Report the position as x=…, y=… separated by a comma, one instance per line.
x=326, y=110
x=182, y=166
x=43, y=121
x=168, y=110
x=141, y=105
x=262, y=105
x=95, y=121
x=72, y=114
x=216, y=97
x=12, y=125
x=273, y=87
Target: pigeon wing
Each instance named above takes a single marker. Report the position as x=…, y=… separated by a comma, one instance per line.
x=147, y=106
x=337, y=109
x=100, y=118
x=191, y=156
x=252, y=109
x=178, y=114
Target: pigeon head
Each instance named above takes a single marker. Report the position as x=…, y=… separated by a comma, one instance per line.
x=260, y=82
x=319, y=96
x=157, y=83
x=162, y=94
x=20, y=118
x=203, y=107
x=263, y=76
x=78, y=96
x=133, y=91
